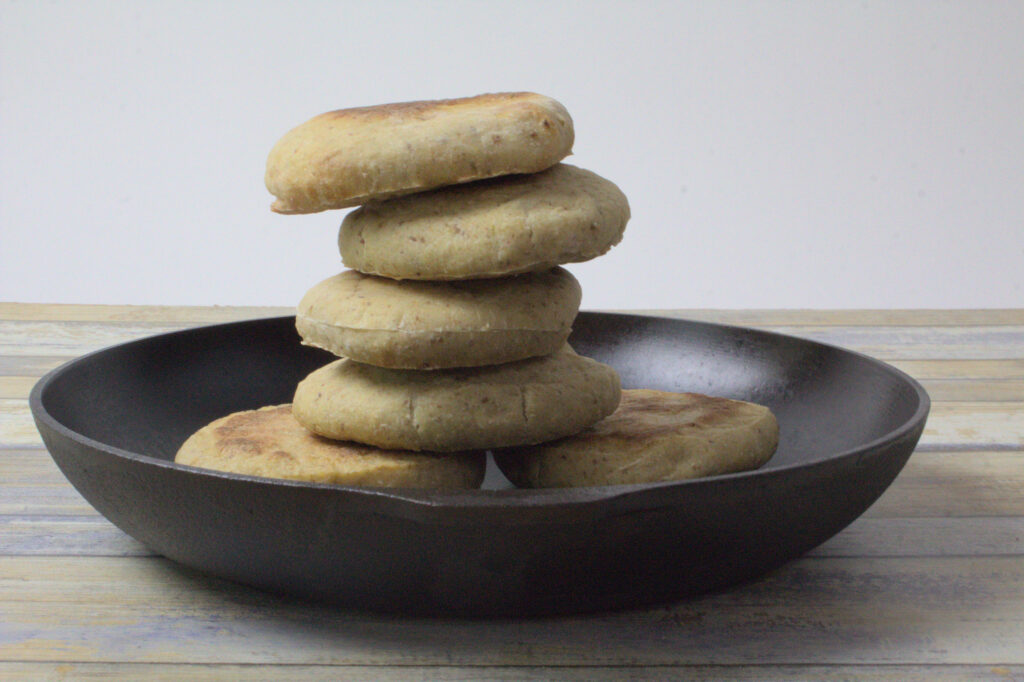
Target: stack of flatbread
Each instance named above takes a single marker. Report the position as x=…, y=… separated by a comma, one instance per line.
x=451, y=324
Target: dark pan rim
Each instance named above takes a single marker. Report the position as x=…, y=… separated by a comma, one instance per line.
x=498, y=499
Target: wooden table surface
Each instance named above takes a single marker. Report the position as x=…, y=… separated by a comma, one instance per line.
x=928, y=584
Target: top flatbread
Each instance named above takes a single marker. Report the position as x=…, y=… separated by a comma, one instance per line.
x=351, y=156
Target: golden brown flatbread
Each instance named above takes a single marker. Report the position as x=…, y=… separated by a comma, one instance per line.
x=268, y=442
x=351, y=156
x=436, y=325
x=446, y=410
x=491, y=228
x=652, y=436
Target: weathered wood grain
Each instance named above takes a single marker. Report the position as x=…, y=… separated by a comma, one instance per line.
x=62, y=536
x=17, y=429
x=28, y=466
x=31, y=365
x=974, y=390
x=836, y=611
x=213, y=314
x=1007, y=368
x=73, y=338
x=65, y=312
x=852, y=317
x=16, y=387
x=912, y=343
x=964, y=483
x=974, y=425
x=34, y=486
x=60, y=499
x=346, y=673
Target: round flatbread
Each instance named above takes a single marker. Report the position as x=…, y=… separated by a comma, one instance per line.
x=652, y=436
x=269, y=442
x=351, y=156
x=432, y=325
x=491, y=228
x=516, y=403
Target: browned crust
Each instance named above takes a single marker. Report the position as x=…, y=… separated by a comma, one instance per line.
x=645, y=414
x=269, y=442
x=351, y=156
x=652, y=436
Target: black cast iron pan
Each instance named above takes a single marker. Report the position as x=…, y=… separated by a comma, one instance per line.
x=114, y=419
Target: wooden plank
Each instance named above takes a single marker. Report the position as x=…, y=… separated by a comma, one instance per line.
x=962, y=369
x=31, y=365
x=384, y=673
x=74, y=312
x=58, y=499
x=975, y=425
x=16, y=387
x=839, y=317
x=32, y=485
x=901, y=343
x=913, y=343
x=836, y=611
x=87, y=535
x=974, y=390
x=17, y=429
x=73, y=338
x=213, y=314
x=968, y=483
x=933, y=484
x=28, y=466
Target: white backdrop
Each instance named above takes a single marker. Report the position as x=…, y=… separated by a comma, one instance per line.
x=776, y=154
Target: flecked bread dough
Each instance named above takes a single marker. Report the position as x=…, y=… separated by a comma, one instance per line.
x=268, y=442
x=432, y=325
x=515, y=403
x=491, y=228
x=351, y=156
x=652, y=436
